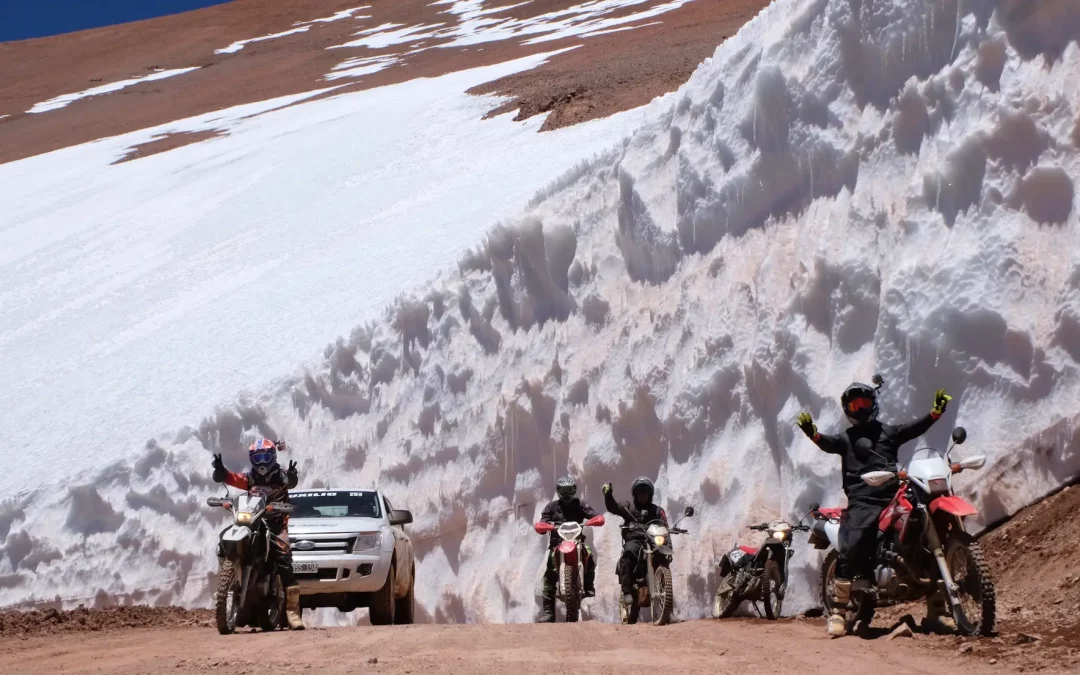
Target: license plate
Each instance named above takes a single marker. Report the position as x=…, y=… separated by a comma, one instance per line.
x=305, y=567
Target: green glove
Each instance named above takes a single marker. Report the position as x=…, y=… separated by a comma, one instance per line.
x=607, y=488
x=806, y=423
x=941, y=399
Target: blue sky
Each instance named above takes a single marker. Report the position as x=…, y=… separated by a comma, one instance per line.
x=21, y=19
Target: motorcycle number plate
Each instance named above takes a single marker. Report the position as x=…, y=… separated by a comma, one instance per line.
x=305, y=567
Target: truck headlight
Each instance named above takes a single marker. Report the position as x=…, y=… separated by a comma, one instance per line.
x=367, y=541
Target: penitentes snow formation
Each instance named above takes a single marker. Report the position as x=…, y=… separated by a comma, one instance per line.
x=846, y=187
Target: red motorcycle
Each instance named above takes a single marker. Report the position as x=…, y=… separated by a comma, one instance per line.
x=570, y=561
x=922, y=545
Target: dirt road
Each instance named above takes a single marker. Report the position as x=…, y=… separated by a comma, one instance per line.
x=715, y=647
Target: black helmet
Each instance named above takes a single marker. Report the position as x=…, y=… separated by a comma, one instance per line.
x=566, y=488
x=642, y=484
x=859, y=402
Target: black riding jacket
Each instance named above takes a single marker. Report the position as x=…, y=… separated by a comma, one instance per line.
x=632, y=514
x=886, y=440
x=558, y=512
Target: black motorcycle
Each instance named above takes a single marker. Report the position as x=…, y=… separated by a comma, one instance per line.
x=250, y=591
x=757, y=574
x=652, y=577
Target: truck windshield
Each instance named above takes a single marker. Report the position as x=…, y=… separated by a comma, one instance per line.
x=335, y=504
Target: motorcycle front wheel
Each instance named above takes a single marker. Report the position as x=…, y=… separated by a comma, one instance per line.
x=571, y=593
x=227, y=598
x=770, y=590
x=976, y=590
x=663, y=599
x=726, y=600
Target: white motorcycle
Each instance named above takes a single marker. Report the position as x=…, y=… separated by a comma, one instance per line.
x=250, y=591
x=652, y=576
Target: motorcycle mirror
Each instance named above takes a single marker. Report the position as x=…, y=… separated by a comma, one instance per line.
x=864, y=444
x=976, y=462
x=878, y=381
x=815, y=506
x=689, y=511
x=959, y=435
x=876, y=478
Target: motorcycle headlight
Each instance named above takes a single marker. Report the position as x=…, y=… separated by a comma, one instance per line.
x=660, y=539
x=938, y=485
x=367, y=541
x=243, y=518
x=779, y=535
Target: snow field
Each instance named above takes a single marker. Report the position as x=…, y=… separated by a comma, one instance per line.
x=842, y=189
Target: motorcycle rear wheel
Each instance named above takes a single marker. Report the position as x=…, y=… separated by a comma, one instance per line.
x=726, y=600
x=663, y=599
x=770, y=589
x=226, y=599
x=860, y=611
x=977, y=597
x=571, y=593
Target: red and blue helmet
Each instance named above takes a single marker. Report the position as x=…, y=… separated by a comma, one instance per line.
x=263, y=455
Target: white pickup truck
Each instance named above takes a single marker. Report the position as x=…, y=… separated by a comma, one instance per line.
x=350, y=550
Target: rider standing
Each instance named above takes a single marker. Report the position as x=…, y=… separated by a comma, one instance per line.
x=567, y=508
x=266, y=472
x=859, y=522
x=640, y=510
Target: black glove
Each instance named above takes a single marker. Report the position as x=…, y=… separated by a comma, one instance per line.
x=806, y=423
x=291, y=472
x=219, y=469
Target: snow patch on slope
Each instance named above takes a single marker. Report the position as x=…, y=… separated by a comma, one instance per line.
x=838, y=191
x=66, y=99
x=240, y=44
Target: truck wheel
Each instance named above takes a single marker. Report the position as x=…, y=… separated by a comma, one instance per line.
x=403, y=607
x=382, y=602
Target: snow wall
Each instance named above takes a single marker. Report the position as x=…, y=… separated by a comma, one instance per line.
x=846, y=187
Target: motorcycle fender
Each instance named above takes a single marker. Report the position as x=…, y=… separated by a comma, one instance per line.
x=568, y=550
x=832, y=532
x=236, y=533
x=725, y=565
x=665, y=551
x=235, y=541
x=957, y=506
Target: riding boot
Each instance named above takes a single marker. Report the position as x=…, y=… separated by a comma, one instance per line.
x=590, y=578
x=292, y=608
x=938, y=615
x=547, y=605
x=841, y=596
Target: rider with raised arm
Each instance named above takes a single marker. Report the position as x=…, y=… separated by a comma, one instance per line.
x=266, y=472
x=859, y=522
x=567, y=508
x=641, y=510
